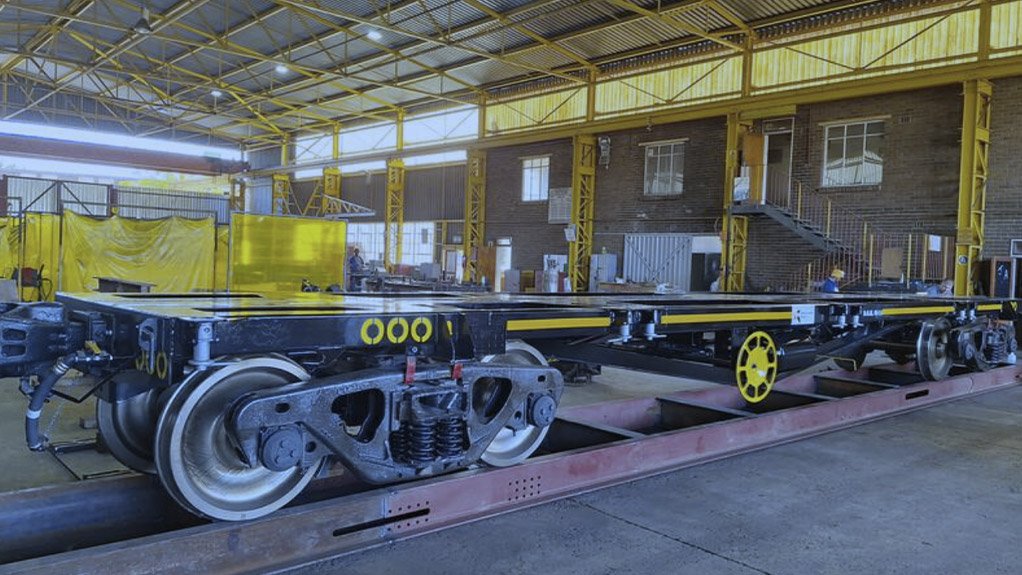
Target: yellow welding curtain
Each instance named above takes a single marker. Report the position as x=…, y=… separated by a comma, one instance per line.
x=273, y=254
x=41, y=235
x=223, y=234
x=175, y=254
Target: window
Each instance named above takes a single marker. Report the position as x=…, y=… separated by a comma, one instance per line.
x=854, y=154
x=417, y=240
x=535, y=179
x=665, y=169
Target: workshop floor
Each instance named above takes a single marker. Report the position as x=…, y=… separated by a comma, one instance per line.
x=934, y=491
x=937, y=491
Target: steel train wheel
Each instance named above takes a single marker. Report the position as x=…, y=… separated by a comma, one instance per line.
x=196, y=460
x=127, y=429
x=756, y=366
x=933, y=349
x=512, y=447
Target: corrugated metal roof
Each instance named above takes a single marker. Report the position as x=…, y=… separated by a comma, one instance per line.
x=356, y=37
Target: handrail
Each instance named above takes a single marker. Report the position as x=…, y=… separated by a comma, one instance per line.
x=860, y=245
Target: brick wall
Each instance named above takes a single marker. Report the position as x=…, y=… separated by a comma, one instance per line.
x=525, y=222
x=620, y=205
x=431, y=193
x=921, y=155
x=1004, y=188
x=918, y=193
x=774, y=255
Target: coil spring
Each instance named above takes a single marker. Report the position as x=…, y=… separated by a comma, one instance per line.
x=450, y=440
x=422, y=441
x=996, y=350
x=399, y=444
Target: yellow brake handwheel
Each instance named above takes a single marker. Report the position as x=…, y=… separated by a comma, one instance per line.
x=756, y=367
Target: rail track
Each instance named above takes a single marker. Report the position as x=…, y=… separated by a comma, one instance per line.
x=128, y=524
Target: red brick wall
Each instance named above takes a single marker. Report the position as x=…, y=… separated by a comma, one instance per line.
x=1004, y=188
x=918, y=193
x=620, y=205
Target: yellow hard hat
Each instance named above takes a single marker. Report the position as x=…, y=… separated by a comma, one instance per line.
x=837, y=273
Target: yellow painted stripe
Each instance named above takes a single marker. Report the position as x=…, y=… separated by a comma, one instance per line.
x=917, y=310
x=557, y=323
x=989, y=307
x=671, y=319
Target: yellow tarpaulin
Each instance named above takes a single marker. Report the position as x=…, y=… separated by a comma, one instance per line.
x=38, y=251
x=223, y=234
x=174, y=254
x=273, y=254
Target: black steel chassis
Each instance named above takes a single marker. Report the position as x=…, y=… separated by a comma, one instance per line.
x=385, y=368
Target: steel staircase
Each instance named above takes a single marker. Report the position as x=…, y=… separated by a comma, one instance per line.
x=847, y=241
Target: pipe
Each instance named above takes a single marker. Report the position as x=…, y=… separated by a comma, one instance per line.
x=35, y=440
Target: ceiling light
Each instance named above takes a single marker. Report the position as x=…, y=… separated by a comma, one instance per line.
x=374, y=34
x=144, y=25
x=282, y=69
x=216, y=93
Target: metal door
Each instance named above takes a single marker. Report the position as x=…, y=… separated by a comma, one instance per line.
x=659, y=259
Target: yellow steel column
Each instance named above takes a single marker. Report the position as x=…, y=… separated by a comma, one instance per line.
x=475, y=212
x=236, y=201
x=285, y=152
x=972, y=184
x=736, y=228
x=336, y=148
x=395, y=212
x=331, y=189
x=281, y=194
x=583, y=209
x=591, y=96
x=481, y=116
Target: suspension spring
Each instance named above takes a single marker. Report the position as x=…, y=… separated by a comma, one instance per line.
x=450, y=440
x=422, y=441
x=399, y=444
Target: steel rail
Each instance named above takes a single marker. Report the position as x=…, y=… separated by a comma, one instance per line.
x=127, y=525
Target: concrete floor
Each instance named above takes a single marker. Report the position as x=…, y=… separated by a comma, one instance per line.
x=23, y=468
x=934, y=491
x=937, y=491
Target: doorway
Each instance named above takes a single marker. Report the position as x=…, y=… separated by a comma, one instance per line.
x=777, y=155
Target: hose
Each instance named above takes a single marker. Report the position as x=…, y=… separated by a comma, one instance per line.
x=36, y=441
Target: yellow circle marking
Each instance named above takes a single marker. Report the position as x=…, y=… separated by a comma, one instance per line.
x=394, y=323
x=427, y=331
x=377, y=337
x=161, y=365
x=756, y=367
x=140, y=362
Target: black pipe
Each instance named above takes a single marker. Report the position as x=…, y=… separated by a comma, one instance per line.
x=36, y=442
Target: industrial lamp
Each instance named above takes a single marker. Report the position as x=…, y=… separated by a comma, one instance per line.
x=143, y=26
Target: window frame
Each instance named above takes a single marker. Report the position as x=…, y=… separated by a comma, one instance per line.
x=646, y=146
x=544, y=193
x=825, y=181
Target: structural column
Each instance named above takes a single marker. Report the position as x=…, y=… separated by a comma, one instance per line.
x=331, y=189
x=281, y=194
x=972, y=184
x=583, y=209
x=735, y=228
x=394, y=216
x=236, y=201
x=394, y=212
x=475, y=212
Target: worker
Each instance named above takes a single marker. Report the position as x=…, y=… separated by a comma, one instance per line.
x=945, y=288
x=830, y=284
x=356, y=269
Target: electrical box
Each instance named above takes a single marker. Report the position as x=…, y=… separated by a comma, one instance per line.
x=602, y=269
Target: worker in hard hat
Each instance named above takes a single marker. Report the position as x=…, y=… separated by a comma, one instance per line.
x=830, y=284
